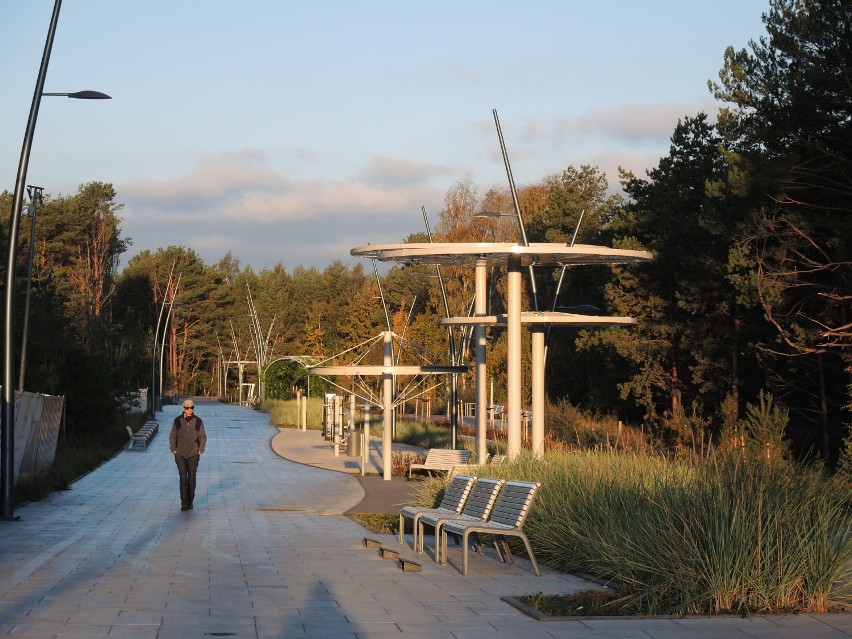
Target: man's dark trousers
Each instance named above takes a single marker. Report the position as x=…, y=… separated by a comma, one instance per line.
x=186, y=469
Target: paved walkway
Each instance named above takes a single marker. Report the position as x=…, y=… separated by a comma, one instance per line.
x=267, y=553
x=380, y=495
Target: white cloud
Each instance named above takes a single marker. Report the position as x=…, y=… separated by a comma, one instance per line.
x=387, y=171
x=243, y=187
x=238, y=203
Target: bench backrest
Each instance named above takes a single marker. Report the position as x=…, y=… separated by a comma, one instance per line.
x=456, y=493
x=482, y=496
x=447, y=456
x=513, y=504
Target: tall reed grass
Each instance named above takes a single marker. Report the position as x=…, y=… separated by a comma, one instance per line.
x=423, y=434
x=732, y=534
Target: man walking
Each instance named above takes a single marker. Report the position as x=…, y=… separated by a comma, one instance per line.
x=187, y=440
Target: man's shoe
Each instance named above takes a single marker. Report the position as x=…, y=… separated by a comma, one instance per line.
x=184, y=507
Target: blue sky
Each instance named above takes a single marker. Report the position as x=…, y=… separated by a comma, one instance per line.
x=291, y=132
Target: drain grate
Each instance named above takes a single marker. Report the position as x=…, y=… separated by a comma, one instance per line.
x=281, y=510
x=221, y=634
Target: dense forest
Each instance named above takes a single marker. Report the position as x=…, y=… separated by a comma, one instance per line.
x=748, y=217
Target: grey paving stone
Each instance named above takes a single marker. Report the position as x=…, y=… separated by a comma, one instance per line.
x=267, y=553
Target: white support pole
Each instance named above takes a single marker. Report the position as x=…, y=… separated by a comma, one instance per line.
x=240, y=394
x=513, y=401
x=387, y=401
x=481, y=371
x=338, y=423
x=352, y=430
x=491, y=403
x=538, y=391
x=338, y=418
x=303, y=417
x=365, y=441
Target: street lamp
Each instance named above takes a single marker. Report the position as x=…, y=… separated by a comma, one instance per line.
x=7, y=434
x=492, y=218
x=82, y=95
x=490, y=214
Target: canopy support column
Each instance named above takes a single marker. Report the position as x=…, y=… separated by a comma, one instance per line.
x=538, y=391
x=387, y=401
x=513, y=401
x=481, y=370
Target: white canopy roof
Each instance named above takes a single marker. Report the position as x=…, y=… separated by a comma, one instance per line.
x=499, y=253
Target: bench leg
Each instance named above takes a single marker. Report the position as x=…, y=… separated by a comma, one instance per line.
x=477, y=543
x=416, y=529
x=421, y=535
x=465, y=543
x=501, y=539
x=443, y=546
x=531, y=554
x=438, y=531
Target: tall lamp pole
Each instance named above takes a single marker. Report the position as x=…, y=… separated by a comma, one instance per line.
x=35, y=199
x=163, y=340
x=154, y=347
x=7, y=427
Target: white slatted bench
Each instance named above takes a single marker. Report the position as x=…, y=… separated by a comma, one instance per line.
x=476, y=509
x=442, y=459
x=506, y=520
x=451, y=504
x=142, y=437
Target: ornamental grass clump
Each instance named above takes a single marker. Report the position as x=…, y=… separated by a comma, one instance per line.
x=419, y=433
x=285, y=412
x=734, y=533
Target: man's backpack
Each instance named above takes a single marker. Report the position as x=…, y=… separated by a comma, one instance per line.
x=179, y=423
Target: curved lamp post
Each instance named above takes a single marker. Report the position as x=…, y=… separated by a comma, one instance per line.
x=7, y=435
x=159, y=395
x=153, y=414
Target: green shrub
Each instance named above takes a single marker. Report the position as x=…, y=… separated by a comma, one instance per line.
x=764, y=427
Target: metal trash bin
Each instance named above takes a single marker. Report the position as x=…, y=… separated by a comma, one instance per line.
x=353, y=443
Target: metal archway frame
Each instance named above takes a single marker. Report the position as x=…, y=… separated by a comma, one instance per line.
x=387, y=370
